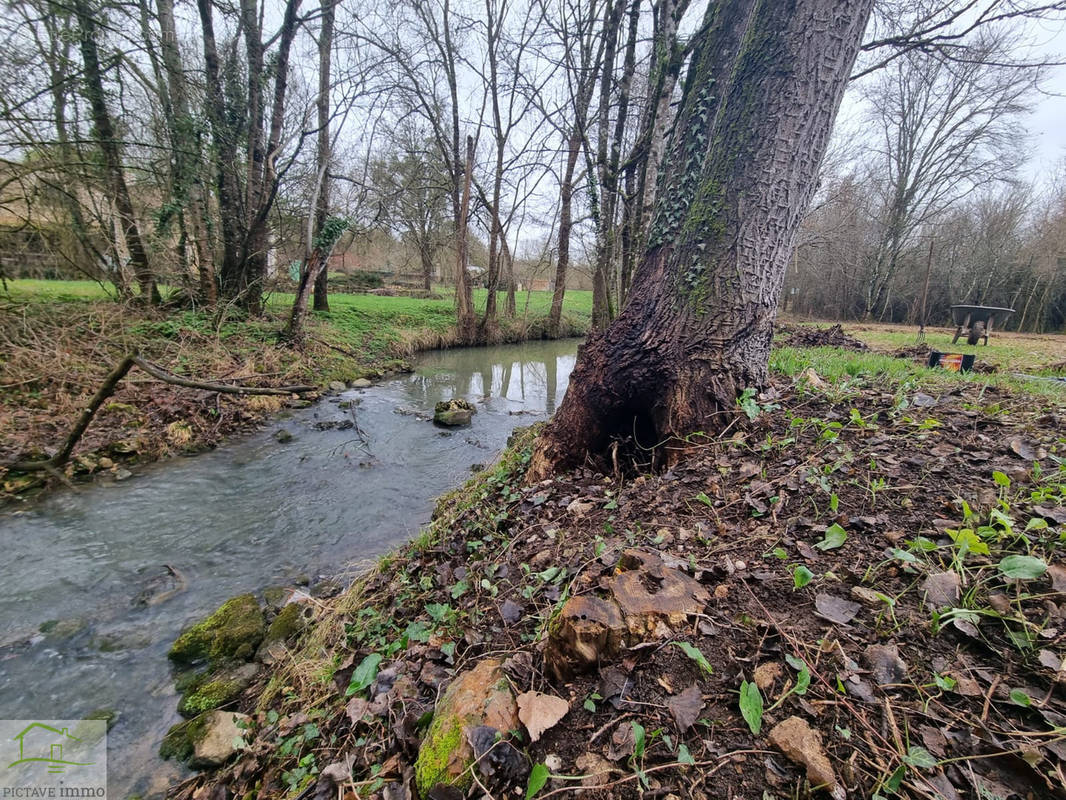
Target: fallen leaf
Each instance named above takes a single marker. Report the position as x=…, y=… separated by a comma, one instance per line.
x=1025, y=450
x=539, y=712
x=1056, y=514
x=942, y=589
x=797, y=740
x=1057, y=572
x=622, y=742
x=510, y=612
x=356, y=709
x=1052, y=661
x=885, y=664
x=686, y=707
x=835, y=609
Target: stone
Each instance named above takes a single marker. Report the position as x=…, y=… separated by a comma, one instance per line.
x=123, y=474
x=337, y=386
x=212, y=690
x=206, y=742
x=282, y=436
x=276, y=596
x=453, y=413
x=231, y=633
x=288, y=624
x=797, y=740
x=105, y=463
x=479, y=696
x=63, y=628
x=361, y=383
x=218, y=744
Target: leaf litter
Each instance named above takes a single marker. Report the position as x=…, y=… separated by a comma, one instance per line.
x=919, y=655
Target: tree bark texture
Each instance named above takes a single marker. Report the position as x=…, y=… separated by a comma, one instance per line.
x=323, y=152
x=464, y=300
x=107, y=140
x=758, y=106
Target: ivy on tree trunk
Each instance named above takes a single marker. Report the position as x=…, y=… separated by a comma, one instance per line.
x=758, y=105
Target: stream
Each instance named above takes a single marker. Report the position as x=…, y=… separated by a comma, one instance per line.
x=253, y=513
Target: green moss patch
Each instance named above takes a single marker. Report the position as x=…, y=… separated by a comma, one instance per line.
x=230, y=634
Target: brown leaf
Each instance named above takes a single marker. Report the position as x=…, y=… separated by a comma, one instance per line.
x=1057, y=572
x=1026, y=450
x=357, y=708
x=835, y=609
x=942, y=589
x=539, y=712
x=686, y=707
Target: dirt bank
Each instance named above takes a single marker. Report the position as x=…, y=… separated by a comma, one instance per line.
x=880, y=610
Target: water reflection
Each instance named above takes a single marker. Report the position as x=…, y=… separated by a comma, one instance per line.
x=251, y=514
x=533, y=380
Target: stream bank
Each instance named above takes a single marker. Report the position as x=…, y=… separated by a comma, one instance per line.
x=85, y=618
x=879, y=597
x=61, y=338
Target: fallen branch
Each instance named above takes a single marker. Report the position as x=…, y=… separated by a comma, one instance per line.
x=223, y=388
x=107, y=388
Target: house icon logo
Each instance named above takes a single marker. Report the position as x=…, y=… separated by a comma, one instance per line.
x=42, y=744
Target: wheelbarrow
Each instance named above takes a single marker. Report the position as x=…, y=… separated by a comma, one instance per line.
x=976, y=321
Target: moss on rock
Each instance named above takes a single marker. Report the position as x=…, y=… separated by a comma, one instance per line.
x=180, y=741
x=480, y=696
x=230, y=634
x=208, y=691
x=445, y=737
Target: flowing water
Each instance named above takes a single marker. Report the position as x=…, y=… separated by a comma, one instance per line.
x=248, y=515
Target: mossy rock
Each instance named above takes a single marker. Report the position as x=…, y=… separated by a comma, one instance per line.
x=480, y=696
x=209, y=691
x=232, y=633
x=287, y=624
x=180, y=741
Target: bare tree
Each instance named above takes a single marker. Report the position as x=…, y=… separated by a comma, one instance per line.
x=943, y=129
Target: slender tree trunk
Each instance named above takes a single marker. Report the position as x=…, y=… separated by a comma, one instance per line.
x=758, y=106
x=186, y=189
x=322, y=150
x=464, y=301
x=107, y=140
x=566, y=221
x=224, y=159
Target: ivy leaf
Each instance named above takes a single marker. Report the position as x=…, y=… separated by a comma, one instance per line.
x=919, y=757
x=801, y=576
x=1020, y=698
x=538, y=776
x=751, y=706
x=1023, y=568
x=692, y=652
x=364, y=674
x=835, y=536
x=684, y=756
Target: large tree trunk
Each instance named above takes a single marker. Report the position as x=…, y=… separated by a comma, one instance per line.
x=758, y=106
x=107, y=139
